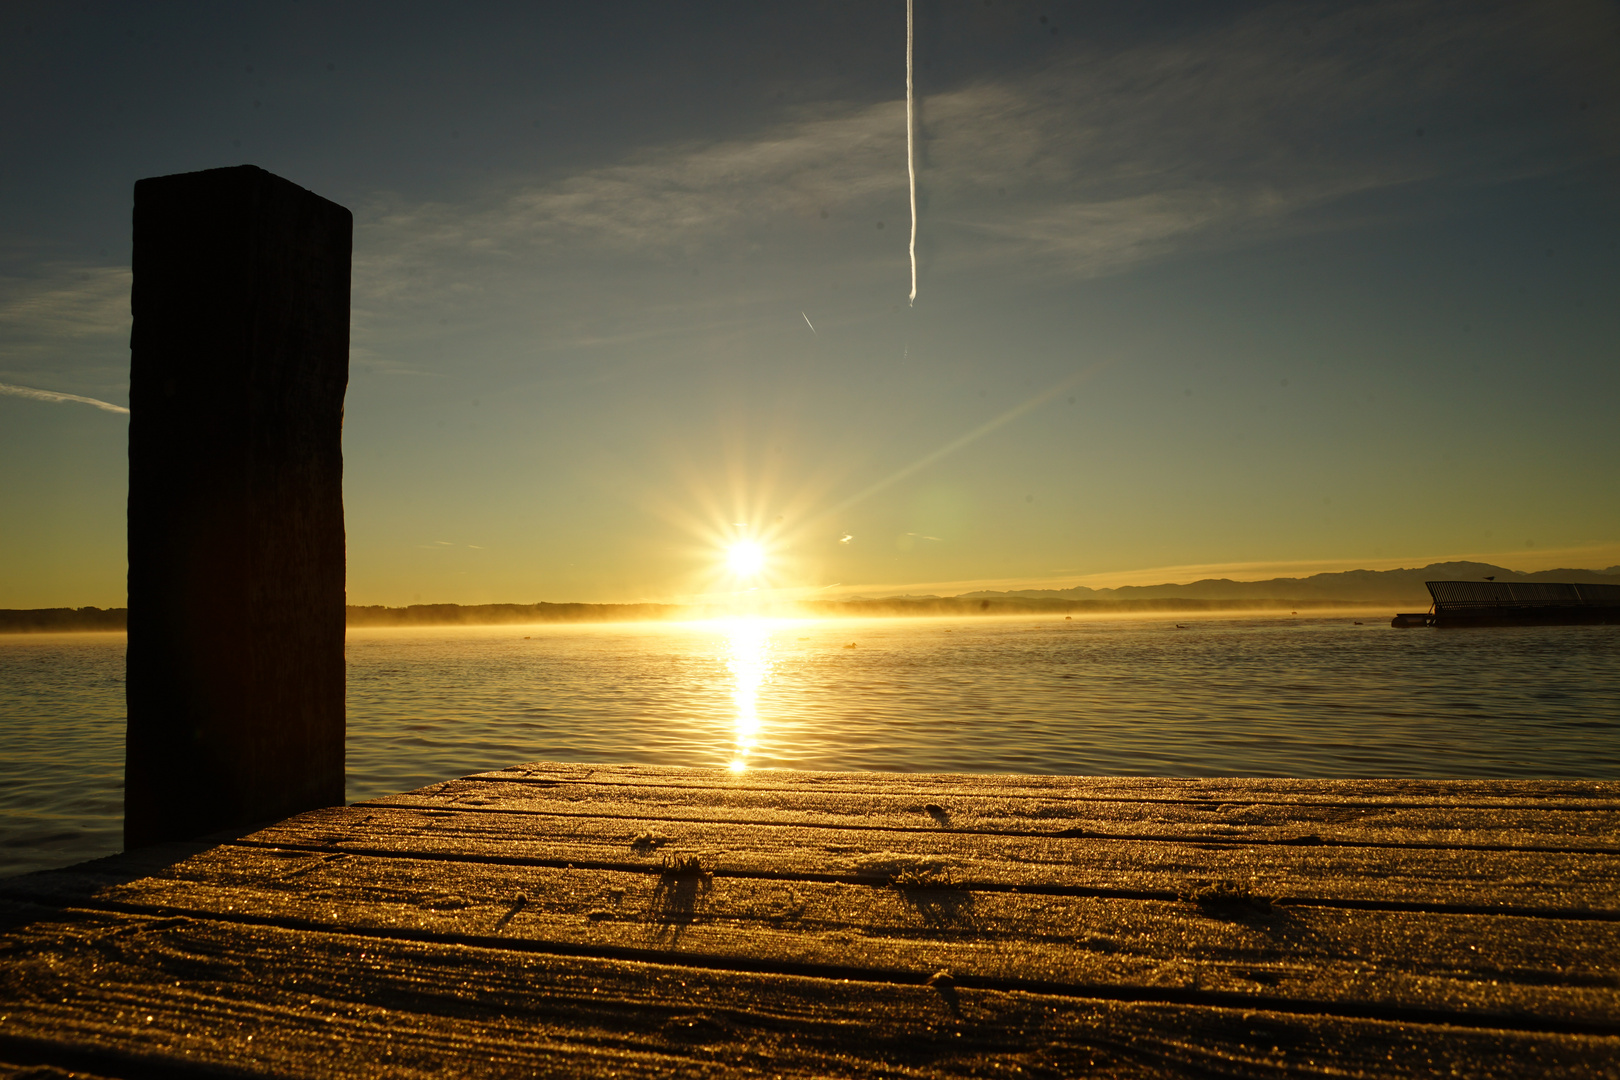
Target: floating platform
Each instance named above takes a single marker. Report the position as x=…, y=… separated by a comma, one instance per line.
x=568, y=920
x=1516, y=603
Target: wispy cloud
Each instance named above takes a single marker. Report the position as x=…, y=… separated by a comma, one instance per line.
x=1093, y=164
x=69, y=325
x=52, y=395
x=66, y=301
x=1100, y=162
x=1592, y=556
x=966, y=439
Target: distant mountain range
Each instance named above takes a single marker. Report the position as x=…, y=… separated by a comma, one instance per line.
x=1361, y=586
x=1402, y=588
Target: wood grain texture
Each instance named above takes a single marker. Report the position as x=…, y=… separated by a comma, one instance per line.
x=1525, y=882
x=1525, y=970
x=1585, y=828
x=531, y=922
x=130, y=996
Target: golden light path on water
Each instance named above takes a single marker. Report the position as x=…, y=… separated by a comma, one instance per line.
x=749, y=662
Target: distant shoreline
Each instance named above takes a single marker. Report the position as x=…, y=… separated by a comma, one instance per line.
x=61, y=620
x=1392, y=590
x=91, y=620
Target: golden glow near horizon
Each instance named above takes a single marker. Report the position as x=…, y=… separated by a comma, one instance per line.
x=748, y=660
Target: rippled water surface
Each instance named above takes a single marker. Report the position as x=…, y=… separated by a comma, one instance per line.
x=1254, y=697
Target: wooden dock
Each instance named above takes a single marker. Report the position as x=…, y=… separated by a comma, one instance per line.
x=571, y=920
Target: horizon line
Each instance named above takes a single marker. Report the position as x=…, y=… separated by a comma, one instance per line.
x=1531, y=560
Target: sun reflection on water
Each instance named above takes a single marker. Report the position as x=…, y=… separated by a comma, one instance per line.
x=748, y=659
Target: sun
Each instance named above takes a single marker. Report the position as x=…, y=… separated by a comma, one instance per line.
x=745, y=558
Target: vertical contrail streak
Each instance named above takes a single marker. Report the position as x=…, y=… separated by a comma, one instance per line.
x=911, y=152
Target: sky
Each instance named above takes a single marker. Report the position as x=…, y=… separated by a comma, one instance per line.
x=1203, y=288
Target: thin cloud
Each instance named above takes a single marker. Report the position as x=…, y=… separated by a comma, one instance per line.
x=53, y=396
x=1101, y=162
x=966, y=439
x=1093, y=164
x=66, y=301
x=68, y=324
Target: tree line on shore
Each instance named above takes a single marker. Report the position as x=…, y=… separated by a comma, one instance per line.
x=89, y=619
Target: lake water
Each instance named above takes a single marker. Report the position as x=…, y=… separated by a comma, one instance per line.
x=1265, y=696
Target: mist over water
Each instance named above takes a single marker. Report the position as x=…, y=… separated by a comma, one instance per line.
x=1260, y=696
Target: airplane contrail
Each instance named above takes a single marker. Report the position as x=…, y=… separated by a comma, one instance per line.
x=52, y=395
x=810, y=324
x=911, y=154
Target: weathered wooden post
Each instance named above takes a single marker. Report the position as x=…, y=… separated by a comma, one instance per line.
x=240, y=359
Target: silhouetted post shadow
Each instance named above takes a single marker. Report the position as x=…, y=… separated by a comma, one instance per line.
x=240, y=359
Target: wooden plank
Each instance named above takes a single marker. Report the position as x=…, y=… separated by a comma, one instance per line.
x=1588, y=827
x=1434, y=877
x=1519, y=970
x=533, y=923
x=129, y=995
